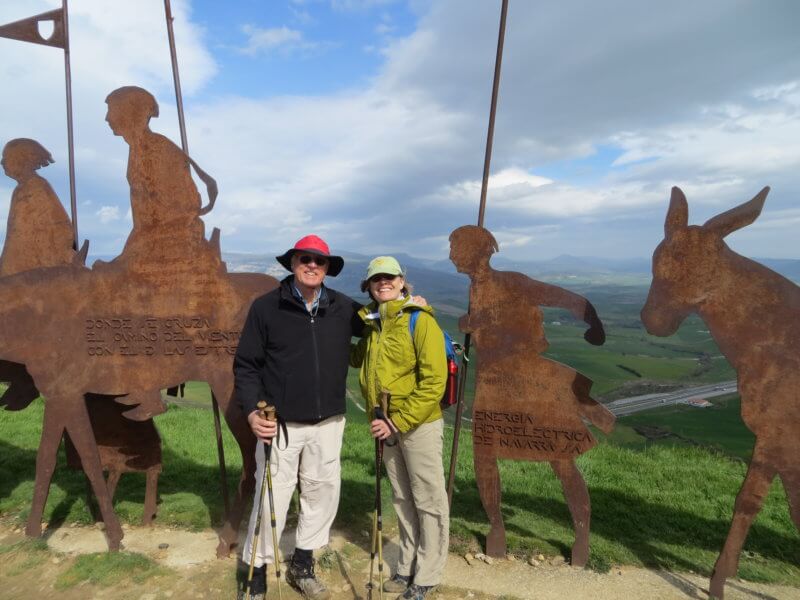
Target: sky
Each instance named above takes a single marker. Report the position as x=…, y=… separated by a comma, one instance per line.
x=364, y=121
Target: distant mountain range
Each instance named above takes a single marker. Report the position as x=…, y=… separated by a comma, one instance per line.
x=439, y=281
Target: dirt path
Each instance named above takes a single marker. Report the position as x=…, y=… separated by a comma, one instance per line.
x=191, y=570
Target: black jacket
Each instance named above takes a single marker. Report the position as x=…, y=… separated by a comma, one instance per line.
x=294, y=361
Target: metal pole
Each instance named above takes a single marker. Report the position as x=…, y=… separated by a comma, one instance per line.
x=73, y=202
x=481, y=210
x=176, y=78
x=223, y=475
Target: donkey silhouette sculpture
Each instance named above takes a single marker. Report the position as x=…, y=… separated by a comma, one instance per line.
x=526, y=407
x=754, y=316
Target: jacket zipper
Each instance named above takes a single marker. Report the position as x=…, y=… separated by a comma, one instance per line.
x=316, y=365
x=383, y=314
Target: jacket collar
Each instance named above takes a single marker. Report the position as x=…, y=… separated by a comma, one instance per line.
x=373, y=312
x=288, y=295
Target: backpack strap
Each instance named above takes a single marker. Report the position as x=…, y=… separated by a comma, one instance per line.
x=412, y=322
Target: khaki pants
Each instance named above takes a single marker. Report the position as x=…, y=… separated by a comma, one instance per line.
x=313, y=453
x=415, y=470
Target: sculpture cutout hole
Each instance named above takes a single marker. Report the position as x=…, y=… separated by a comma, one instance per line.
x=46, y=29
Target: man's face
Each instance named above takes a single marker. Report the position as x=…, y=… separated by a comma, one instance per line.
x=309, y=269
x=113, y=117
x=460, y=256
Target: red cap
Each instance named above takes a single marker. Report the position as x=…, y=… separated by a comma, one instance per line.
x=315, y=245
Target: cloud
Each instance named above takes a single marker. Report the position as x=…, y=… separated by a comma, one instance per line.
x=275, y=38
x=107, y=214
x=701, y=95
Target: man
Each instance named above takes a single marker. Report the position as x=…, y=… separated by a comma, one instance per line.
x=165, y=204
x=293, y=353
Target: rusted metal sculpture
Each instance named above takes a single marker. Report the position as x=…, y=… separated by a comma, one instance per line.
x=527, y=407
x=487, y=161
x=38, y=234
x=753, y=315
x=125, y=446
x=163, y=312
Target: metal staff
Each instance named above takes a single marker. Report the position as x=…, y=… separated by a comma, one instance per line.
x=267, y=413
x=176, y=79
x=481, y=210
x=73, y=201
x=27, y=30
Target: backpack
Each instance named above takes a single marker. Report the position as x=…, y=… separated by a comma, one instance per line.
x=452, y=350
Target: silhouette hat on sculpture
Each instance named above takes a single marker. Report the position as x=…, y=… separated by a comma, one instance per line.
x=312, y=244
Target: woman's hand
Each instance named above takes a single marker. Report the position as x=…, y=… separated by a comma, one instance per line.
x=381, y=430
x=262, y=429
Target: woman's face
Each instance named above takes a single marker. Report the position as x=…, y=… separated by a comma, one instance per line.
x=385, y=288
x=14, y=165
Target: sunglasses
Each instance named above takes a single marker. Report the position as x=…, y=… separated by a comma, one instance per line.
x=307, y=259
x=380, y=276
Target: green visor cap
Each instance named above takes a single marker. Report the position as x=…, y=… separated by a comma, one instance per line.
x=384, y=264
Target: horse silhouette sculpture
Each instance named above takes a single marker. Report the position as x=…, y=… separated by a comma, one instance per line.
x=753, y=314
x=527, y=407
x=163, y=312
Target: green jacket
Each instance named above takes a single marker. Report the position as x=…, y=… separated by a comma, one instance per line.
x=413, y=371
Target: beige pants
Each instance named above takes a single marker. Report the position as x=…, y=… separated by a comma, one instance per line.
x=313, y=453
x=415, y=470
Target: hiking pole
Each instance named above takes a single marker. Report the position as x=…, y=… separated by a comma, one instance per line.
x=377, y=525
x=373, y=550
x=267, y=413
x=377, y=521
x=270, y=416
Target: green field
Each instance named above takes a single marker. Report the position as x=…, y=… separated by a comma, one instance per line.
x=718, y=428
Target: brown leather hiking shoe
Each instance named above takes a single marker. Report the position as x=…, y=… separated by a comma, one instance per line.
x=302, y=578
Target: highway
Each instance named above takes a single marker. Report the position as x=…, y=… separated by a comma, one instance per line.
x=634, y=404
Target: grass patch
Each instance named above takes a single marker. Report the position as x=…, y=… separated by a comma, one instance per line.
x=27, y=546
x=109, y=568
x=24, y=556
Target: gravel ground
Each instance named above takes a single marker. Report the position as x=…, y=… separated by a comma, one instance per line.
x=195, y=572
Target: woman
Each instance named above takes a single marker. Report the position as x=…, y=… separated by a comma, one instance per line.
x=39, y=232
x=413, y=369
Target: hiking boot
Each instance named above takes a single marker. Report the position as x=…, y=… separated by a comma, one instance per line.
x=302, y=578
x=398, y=583
x=416, y=592
x=258, y=586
